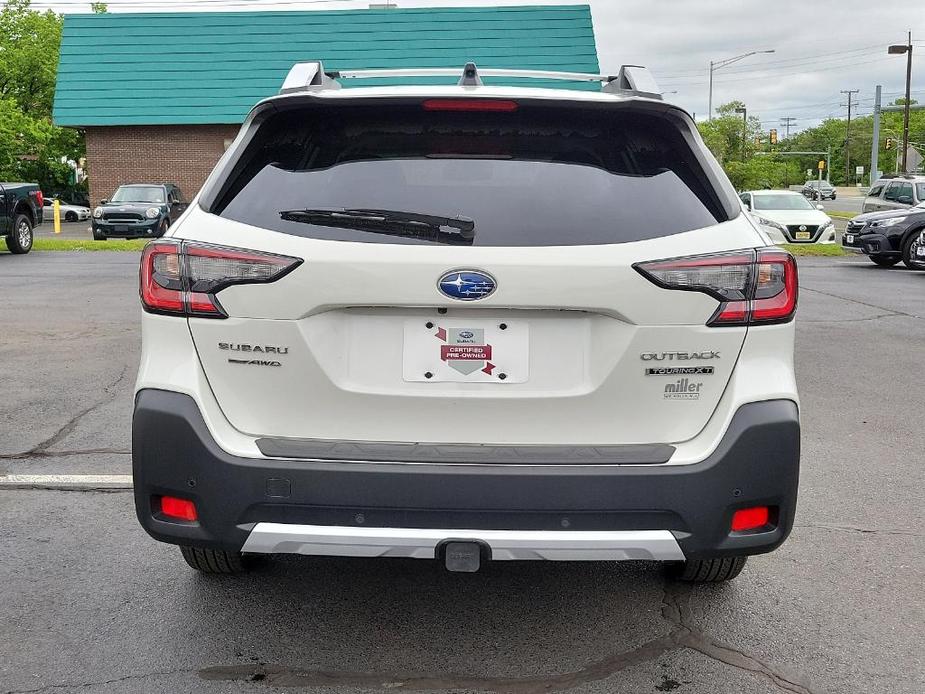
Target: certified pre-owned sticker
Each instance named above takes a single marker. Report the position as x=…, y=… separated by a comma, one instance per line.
x=680, y=371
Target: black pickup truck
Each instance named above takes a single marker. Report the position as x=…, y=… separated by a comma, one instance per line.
x=20, y=212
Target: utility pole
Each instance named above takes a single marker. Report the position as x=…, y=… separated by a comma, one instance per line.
x=875, y=146
x=907, y=49
x=787, y=122
x=850, y=93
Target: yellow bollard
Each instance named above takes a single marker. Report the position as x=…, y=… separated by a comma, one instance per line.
x=57, y=207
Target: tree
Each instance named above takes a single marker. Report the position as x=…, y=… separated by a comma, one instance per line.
x=29, y=56
x=31, y=147
x=724, y=134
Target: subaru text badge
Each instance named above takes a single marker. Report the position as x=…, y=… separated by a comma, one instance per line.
x=467, y=285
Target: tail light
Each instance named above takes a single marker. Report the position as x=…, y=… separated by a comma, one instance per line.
x=754, y=287
x=39, y=198
x=182, y=277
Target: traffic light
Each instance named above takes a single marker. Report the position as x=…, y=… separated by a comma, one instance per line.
x=773, y=136
x=889, y=143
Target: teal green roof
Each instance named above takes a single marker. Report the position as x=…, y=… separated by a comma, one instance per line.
x=212, y=67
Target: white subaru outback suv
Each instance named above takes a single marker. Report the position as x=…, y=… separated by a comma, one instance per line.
x=467, y=323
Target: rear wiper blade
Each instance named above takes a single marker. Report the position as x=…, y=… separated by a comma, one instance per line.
x=452, y=230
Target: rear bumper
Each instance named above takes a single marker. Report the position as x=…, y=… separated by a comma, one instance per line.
x=547, y=511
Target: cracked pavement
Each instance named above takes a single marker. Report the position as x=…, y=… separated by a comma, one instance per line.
x=91, y=604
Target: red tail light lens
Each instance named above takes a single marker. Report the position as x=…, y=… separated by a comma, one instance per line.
x=39, y=198
x=181, y=509
x=493, y=105
x=750, y=518
x=182, y=277
x=754, y=287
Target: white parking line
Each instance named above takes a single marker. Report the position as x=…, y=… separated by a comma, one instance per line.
x=65, y=482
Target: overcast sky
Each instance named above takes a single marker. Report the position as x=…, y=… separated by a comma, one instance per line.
x=821, y=46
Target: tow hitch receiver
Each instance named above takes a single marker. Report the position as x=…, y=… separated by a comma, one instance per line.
x=463, y=556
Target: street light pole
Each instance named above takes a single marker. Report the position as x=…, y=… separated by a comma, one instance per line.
x=716, y=65
x=899, y=50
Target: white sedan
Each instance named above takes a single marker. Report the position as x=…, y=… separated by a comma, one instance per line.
x=69, y=213
x=789, y=217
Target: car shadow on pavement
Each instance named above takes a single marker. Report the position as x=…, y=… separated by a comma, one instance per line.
x=513, y=626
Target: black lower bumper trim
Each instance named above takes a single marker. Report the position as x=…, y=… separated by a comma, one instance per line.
x=756, y=463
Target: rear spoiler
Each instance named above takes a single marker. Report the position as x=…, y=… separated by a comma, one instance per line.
x=632, y=80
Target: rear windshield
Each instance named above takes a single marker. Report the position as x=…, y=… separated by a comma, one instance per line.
x=532, y=177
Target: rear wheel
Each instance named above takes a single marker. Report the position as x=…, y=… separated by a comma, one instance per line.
x=213, y=561
x=70, y=216
x=19, y=239
x=708, y=570
x=884, y=260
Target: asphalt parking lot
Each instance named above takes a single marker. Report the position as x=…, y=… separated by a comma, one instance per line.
x=89, y=603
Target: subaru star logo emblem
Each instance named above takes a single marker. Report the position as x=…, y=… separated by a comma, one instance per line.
x=467, y=285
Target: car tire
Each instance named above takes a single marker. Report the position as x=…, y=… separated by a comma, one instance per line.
x=97, y=236
x=162, y=229
x=20, y=238
x=70, y=216
x=884, y=260
x=213, y=561
x=708, y=570
x=909, y=246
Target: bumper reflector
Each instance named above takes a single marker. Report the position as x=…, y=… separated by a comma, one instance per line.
x=750, y=518
x=181, y=509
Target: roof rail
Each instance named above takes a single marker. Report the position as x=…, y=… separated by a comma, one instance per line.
x=631, y=80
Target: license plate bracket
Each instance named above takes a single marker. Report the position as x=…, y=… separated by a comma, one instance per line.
x=461, y=350
x=803, y=236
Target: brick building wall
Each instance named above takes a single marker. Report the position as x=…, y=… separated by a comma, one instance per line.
x=180, y=154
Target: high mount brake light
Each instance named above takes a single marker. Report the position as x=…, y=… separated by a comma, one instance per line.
x=182, y=277
x=493, y=105
x=754, y=287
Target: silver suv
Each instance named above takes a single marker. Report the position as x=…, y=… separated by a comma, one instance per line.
x=895, y=192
